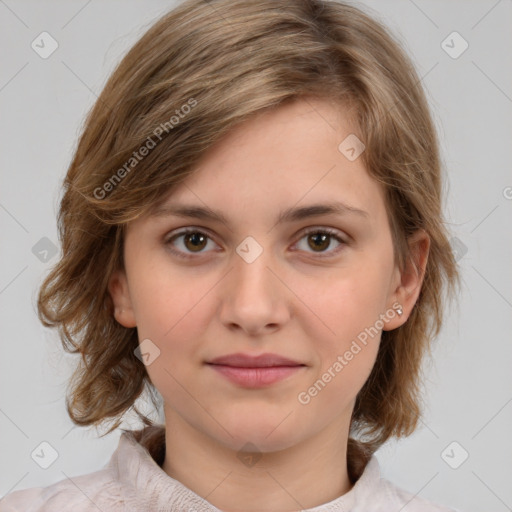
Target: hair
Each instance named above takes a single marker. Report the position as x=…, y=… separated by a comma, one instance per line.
x=197, y=73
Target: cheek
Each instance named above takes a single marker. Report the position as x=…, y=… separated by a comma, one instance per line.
x=349, y=301
x=173, y=309
x=168, y=304
x=344, y=359
x=173, y=313
x=347, y=328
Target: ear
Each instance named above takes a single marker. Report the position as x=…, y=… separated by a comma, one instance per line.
x=120, y=293
x=408, y=282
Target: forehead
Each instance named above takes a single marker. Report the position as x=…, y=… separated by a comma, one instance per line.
x=284, y=157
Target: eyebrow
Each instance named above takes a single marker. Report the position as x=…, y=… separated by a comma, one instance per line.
x=288, y=215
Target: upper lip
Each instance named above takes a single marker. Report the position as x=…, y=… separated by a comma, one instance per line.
x=247, y=361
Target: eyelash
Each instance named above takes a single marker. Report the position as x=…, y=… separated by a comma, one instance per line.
x=324, y=231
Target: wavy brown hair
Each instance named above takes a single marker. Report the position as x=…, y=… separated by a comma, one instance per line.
x=228, y=60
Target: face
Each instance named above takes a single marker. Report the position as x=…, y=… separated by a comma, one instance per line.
x=306, y=287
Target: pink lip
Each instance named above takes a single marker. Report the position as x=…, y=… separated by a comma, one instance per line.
x=255, y=371
x=255, y=377
x=247, y=361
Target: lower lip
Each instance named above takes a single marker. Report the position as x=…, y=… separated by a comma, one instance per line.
x=255, y=377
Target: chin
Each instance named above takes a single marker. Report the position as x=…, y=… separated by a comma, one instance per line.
x=267, y=434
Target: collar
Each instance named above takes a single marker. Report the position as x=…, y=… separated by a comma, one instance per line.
x=144, y=483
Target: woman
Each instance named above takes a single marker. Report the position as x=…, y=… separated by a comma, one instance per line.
x=251, y=227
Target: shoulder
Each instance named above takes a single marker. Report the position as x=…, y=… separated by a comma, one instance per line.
x=410, y=502
x=380, y=495
x=83, y=493
x=113, y=488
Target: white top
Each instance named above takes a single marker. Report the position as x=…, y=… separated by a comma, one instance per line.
x=133, y=482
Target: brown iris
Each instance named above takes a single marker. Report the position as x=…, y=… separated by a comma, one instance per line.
x=321, y=240
x=197, y=241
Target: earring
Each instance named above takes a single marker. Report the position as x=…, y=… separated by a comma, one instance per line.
x=400, y=311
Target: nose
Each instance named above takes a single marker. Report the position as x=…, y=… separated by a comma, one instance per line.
x=254, y=299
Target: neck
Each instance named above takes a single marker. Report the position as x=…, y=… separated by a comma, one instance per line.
x=299, y=477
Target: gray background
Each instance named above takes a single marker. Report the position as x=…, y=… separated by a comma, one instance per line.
x=468, y=394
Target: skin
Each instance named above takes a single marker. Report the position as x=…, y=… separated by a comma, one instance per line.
x=301, y=299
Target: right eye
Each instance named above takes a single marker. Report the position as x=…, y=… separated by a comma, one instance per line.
x=190, y=241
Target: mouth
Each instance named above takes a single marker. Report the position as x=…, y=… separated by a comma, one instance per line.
x=255, y=371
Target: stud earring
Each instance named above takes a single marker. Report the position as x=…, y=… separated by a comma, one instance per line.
x=400, y=311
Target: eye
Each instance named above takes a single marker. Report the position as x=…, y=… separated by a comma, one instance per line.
x=193, y=241
x=320, y=239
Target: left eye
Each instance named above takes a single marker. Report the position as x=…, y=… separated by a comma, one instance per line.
x=321, y=239
x=194, y=241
